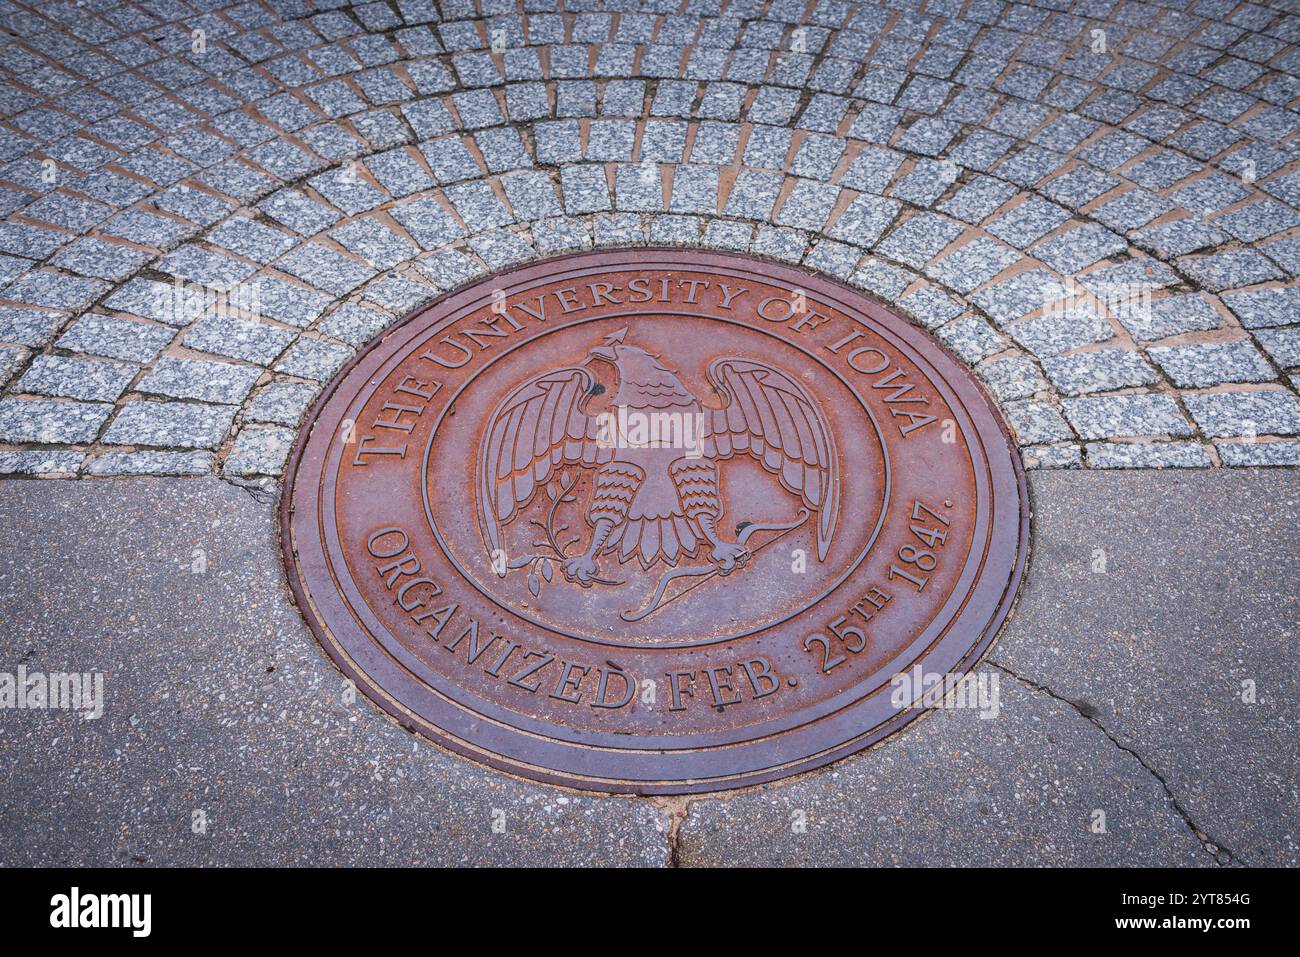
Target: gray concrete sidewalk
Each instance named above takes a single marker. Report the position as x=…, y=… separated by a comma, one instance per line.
x=1151, y=597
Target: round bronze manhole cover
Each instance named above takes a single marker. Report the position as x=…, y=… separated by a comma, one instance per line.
x=655, y=521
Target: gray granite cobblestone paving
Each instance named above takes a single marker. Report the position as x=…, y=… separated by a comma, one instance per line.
x=977, y=166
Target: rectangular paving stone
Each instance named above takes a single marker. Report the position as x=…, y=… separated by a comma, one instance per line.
x=527, y=101
x=1103, y=370
x=715, y=143
x=973, y=264
x=1130, y=210
x=236, y=338
x=1245, y=413
x=766, y=147
x=818, y=156
x=617, y=229
x=676, y=230
x=451, y=161
x=560, y=235
x=927, y=181
x=1148, y=455
x=1027, y=222
x=1035, y=422
x=448, y=268
x=981, y=150
x=40, y=462
x=835, y=259
x=884, y=279
x=1207, y=364
x=695, y=190
x=663, y=141
x=919, y=239
x=99, y=259
x=1159, y=318
x=286, y=301
x=347, y=191
x=1282, y=344
x=28, y=327
x=313, y=359
x=1261, y=308
x=1259, y=220
x=586, y=189
x=1179, y=237
x=206, y=267
x=171, y=425
x=1078, y=248
x=373, y=242
x=725, y=234
x=978, y=199
x=197, y=206
x=281, y=403
x=478, y=206
x=69, y=377
x=1012, y=378
x=1078, y=186
x=354, y=324
x=326, y=269
x=1247, y=454
x=785, y=244
x=150, y=463
x=220, y=382
x=930, y=306
x=398, y=293
x=531, y=195
x=1051, y=334
x=300, y=213
x=872, y=170
x=54, y=290
x=753, y=194
x=808, y=205
x=259, y=450
x=432, y=225
x=252, y=240
x=115, y=338
x=50, y=421
x=611, y=140
x=502, y=149
x=1051, y=457
x=1230, y=269
x=971, y=338
x=176, y=303
x=1103, y=417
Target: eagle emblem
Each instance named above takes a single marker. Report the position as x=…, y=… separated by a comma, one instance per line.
x=656, y=455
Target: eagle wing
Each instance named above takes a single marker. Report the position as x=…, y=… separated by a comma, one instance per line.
x=540, y=425
x=772, y=417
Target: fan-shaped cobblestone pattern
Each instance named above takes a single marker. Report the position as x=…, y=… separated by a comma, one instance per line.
x=968, y=161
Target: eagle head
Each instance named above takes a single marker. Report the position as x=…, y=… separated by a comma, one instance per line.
x=643, y=379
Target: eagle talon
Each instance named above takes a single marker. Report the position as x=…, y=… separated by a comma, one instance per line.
x=729, y=556
x=580, y=568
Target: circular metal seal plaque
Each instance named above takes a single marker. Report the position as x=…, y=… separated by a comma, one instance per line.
x=653, y=521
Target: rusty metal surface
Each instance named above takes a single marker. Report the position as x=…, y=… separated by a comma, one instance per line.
x=653, y=521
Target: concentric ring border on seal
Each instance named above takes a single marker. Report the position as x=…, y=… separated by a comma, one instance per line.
x=418, y=708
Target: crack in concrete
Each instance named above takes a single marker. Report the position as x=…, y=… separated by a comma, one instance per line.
x=1212, y=845
x=678, y=808
x=264, y=493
